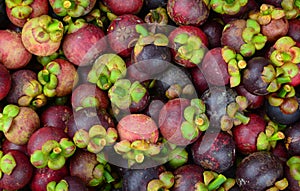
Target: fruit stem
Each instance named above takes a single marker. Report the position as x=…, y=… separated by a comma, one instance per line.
x=276, y=137
x=108, y=177
x=55, y=152
x=241, y=117
x=216, y=183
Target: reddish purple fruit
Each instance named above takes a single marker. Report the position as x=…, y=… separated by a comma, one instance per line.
x=13, y=54
x=121, y=7
x=5, y=81
x=56, y=116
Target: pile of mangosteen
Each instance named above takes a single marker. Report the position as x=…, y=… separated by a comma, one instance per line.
x=149, y=95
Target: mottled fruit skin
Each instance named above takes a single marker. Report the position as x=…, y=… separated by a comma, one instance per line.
x=292, y=141
x=5, y=81
x=214, y=151
x=39, y=7
x=137, y=179
x=188, y=12
x=20, y=175
x=258, y=171
x=42, y=176
x=187, y=176
x=294, y=26
x=13, y=54
x=121, y=7
x=56, y=116
x=138, y=127
x=85, y=45
x=23, y=126
x=275, y=29
x=121, y=32
x=245, y=135
x=75, y=183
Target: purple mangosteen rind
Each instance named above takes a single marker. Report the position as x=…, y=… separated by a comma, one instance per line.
x=106, y=70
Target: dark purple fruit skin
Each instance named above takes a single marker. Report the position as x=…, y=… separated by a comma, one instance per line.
x=154, y=108
x=20, y=175
x=75, y=183
x=278, y=116
x=42, y=176
x=292, y=141
x=5, y=81
x=275, y=29
x=8, y=146
x=254, y=101
x=152, y=59
x=198, y=80
x=214, y=151
x=187, y=176
x=120, y=7
x=258, y=171
x=137, y=179
x=213, y=30
x=294, y=28
x=251, y=78
x=56, y=116
x=19, y=79
x=86, y=118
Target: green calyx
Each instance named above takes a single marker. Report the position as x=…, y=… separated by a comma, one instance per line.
x=62, y=185
x=252, y=37
x=189, y=47
x=285, y=51
x=70, y=7
x=294, y=164
x=33, y=95
x=136, y=151
x=267, y=13
x=96, y=138
x=123, y=93
x=53, y=154
x=7, y=116
x=234, y=114
x=71, y=26
x=235, y=64
x=47, y=29
x=7, y=164
x=101, y=173
x=44, y=60
x=268, y=139
x=164, y=182
x=97, y=17
x=48, y=78
x=20, y=9
x=214, y=181
x=229, y=7
x=107, y=69
x=158, y=15
x=195, y=119
x=291, y=8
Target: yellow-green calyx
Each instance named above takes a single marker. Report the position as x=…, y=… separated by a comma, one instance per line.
x=33, y=95
x=101, y=173
x=96, y=138
x=268, y=139
x=70, y=7
x=294, y=165
x=62, y=185
x=253, y=38
x=47, y=29
x=266, y=14
x=165, y=181
x=20, y=9
x=147, y=38
x=195, y=119
x=214, y=181
x=235, y=64
x=189, y=47
x=234, y=114
x=291, y=8
x=229, y=7
x=53, y=154
x=7, y=164
x=123, y=93
x=107, y=69
x=48, y=78
x=6, y=117
x=136, y=151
